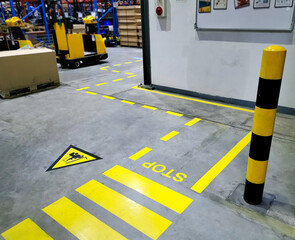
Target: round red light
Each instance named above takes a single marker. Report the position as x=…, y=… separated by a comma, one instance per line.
x=159, y=11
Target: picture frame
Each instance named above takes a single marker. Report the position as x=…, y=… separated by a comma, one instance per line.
x=241, y=3
x=220, y=4
x=261, y=4
x=283, y=3
x=204, y=6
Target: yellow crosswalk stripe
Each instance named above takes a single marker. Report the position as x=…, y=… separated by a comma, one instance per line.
x=174, y=113
x=26, y=230
x=119, y=79
x=131, y=76
x=117, y=64
x=128, y=102
x=116, y=71
x=127, y=62
x=193, y=121
x=101, y=84
x=82, y=88
x=92, y=93
x=149, y=107
x=138, y=216
x=108, y=97
x=129, y=73
x=169, y=136
x=140, y=153
x=159, y=193
x=138, y=60
x=79, y=222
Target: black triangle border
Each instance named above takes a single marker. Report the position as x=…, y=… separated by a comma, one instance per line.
x=79, y=149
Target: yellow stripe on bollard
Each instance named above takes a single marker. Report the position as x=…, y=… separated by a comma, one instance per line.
x=263, y=122
x=256, y=171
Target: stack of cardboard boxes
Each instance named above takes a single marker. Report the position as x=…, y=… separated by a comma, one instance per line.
x=129, y=18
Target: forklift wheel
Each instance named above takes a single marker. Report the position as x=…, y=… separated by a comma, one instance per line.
x=77, y=64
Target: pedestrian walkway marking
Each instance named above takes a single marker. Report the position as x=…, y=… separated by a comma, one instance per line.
x=72, y=156
x=108, y=97
x=138, y=216
x=192, y=122
x=129, y=73
x=149, y=107
x=117, y=64
x=104, y=68
x=101, y=84
x=82, y=88
x=174, y=113
x=79, y=222
x=91, y=93
x=119, y=79
x=128, y=62
x=26, y=230
x=116, y=71
x=204, y=181
x=194, y=99
x=169, y=136
x=140, y=153
x=128, y=102
x=131, y=76
x=157, y=192
x=138, y=60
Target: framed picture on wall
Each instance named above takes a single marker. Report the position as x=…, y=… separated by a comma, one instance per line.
x=283, y=3
x=220, y=4
x=204, y=6
x=242, y=3
x=261, y=3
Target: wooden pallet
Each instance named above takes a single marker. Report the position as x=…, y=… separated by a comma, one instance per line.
x=28, y=90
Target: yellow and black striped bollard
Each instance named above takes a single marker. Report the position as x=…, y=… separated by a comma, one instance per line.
x=272, y=66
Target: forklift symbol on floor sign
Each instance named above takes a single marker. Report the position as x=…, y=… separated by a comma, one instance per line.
x=72, y=156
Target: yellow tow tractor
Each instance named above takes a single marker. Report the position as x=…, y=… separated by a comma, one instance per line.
x=74, y=50
x=16, y=38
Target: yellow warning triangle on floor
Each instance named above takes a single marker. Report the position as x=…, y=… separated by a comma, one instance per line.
x=72, y=156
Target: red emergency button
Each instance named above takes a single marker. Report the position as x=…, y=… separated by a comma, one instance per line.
x=159, y=11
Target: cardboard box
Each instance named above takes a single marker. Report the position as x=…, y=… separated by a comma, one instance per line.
x=128, y=32
x=30, y=69
x=128, y=39
x=128, y=44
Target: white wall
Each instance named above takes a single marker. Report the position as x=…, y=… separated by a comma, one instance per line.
x=225, y=64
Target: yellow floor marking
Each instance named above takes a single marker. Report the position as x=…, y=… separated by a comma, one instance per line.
x=127, y=62
x=193, y=121
x=129, y=73
x=117, y=65
x=195, y=100
x=82, y=88
x=26, y=230
x=103, y=68
x=149, y=107
x=138, y=60
x=140, y=153
x=138, y=216
x=115, y=71
x=204, y=181
x=79, y=222
x=174, y=113
x=119, y=79
x=92, y=93
x=108, y=97
x=131, y=76
x=128, y=102
x=159, y=193
x=101, y=84
x=169, y=136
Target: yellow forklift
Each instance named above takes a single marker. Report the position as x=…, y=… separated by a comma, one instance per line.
x=74, y=50
x=16, y=37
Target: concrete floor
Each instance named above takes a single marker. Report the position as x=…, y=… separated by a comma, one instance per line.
x=36, y=129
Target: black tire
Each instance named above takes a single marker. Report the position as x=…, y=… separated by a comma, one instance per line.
x=77, y=64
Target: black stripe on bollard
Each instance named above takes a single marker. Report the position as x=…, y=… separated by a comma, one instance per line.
x=253, y=192
x=260, y=147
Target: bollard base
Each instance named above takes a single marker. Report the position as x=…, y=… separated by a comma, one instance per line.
x=253, y=193
x=237, y=198
x=149, y=87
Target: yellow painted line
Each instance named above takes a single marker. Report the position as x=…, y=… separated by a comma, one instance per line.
x=119, y=79
x=101, y=84
x=127, y=62
x=26, y=230
x=138, y=60
x=116, y=71
x=104, y=68
x=108, y=97
x=149, y=107
x=140, y=153
x=92, y=93
x=129, y=73
x=131, y=76
x=82, y=88
x=195, y=100
x=193, y=121
x=159, y=193
x=204, y=181
x=79, y=222
x=138, y=216
x=169, y=136
x=117, y=65
x=128, y=102
x=174, y=113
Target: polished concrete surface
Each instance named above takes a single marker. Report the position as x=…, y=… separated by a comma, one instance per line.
x=36, y=129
